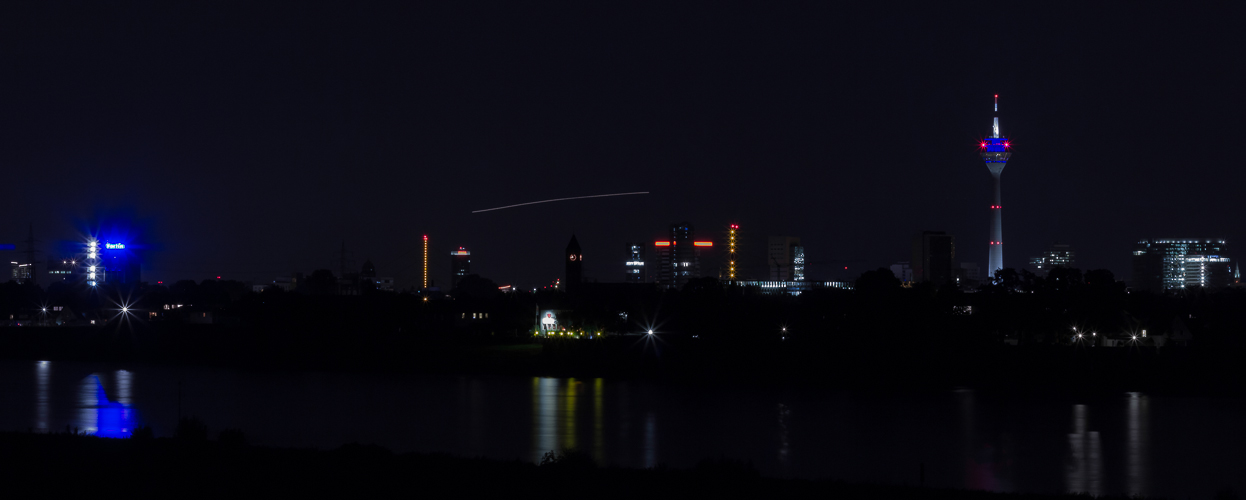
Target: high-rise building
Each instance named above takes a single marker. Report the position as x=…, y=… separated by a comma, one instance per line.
x=798, y=263
x=970, y=273
x=1056, y=256
x=903, y=272
x=574, y=260
x=62, y=270
x=21, y=273
x=780, y=254
x=634, y=266
x=1163, y=265
x=425, y=283
x=995, y=152
x=934, y=253
x=460, y=265
x=679, y=257
x=119, y=264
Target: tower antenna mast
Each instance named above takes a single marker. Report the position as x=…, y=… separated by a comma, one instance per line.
x=995, y=153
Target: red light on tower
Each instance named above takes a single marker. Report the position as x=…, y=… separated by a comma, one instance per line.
x=983, y=145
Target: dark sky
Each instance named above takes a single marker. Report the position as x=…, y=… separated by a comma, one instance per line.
x=249, y=141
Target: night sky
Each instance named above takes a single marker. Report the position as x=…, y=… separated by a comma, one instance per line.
x=249, y=142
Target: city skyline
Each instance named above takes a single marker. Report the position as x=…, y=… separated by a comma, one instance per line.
x=253, y=149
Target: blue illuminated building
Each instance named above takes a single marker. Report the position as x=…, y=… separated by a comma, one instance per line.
x=110, y=262
x=121, y=265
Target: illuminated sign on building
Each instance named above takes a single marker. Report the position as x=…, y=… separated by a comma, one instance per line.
x=114, y=246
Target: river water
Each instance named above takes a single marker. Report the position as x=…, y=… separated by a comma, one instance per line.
x=1129, y=443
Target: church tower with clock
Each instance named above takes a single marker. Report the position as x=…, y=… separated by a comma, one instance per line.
x=575, y=265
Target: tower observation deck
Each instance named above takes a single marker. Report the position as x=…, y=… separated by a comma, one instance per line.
x=995, y=152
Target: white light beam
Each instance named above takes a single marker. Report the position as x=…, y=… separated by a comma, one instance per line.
x=560, y=199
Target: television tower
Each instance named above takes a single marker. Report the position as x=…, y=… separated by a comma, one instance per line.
x=995, y=153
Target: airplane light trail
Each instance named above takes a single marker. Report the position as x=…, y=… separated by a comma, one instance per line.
x=560, y=199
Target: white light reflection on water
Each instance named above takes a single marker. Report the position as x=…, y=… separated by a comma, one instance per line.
x=88, y=418
x=125, y=390
x=1086, y=458
x=43, y=401
x=785, y=415
x=651, y=441
x=544, y=416
x=1137, y=444
x=987, y=456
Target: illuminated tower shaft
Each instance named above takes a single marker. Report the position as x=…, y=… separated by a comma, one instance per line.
x=731, y=254
x=995, y=152
x=425, y=262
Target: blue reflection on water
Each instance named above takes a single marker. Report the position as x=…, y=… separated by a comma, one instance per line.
x=101, y=416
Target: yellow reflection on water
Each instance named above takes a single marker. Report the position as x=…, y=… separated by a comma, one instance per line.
x=599, y=442
x=555, y=413
x=568, y=416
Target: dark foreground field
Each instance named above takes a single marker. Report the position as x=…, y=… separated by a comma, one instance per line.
x=56, y=465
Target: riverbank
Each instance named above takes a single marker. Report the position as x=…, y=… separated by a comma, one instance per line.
x=64, y=463
x=680, y=359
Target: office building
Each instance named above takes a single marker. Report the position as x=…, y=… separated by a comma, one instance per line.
x=780, y=254
x=1169, y=265
x=634, y=266
x=934, y=253
x=62, y=270
x=368, y=275
x=970, y=273
x=1207, y=271
x=21, y=273
x=798, y=263
x=460, y=265
x=1055, y=256
x=995, y=152
x=118, y=264
x=679, y=257
x=788, y=287
x=903, y=272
